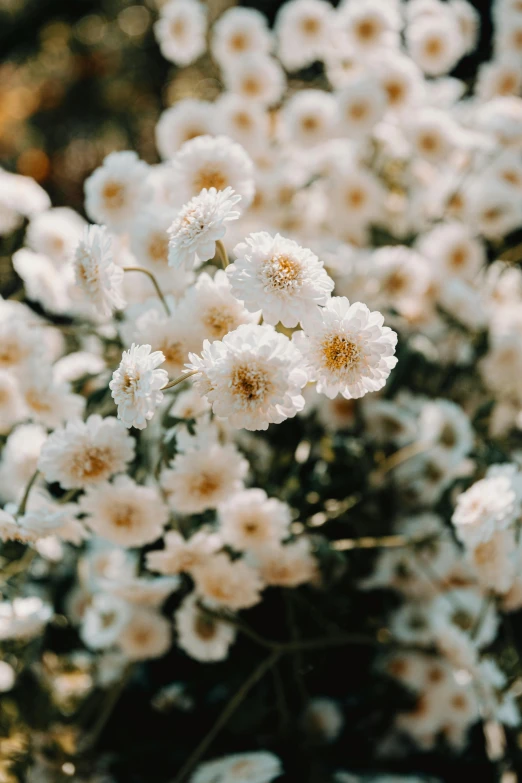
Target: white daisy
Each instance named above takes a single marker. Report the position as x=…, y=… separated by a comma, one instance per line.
x=211, y=162
x=44, y=282
x=254, y=376
x=229, y=584
x=117, y=191
x=85, y=453
x=257, y=78
x=237, y=32
x=199, y=225
x=146, y=635
x=290, y=565
x=124, y=512
x=257, y=767
x=250, y=519
x=347, y=349
x=183, y=554
x=202, y=479
x=136, y=385
x=186, y=120
x=181, y=30
x=46, y=401
x=96, y=273
x=309, y=117
x=304, y=30
x=105, y=618
x=201, y=636
x=435, y=42
x=55, y=233
x=279, y=277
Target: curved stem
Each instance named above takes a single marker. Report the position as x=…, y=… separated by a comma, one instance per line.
x=400, y=456
x=231, y=706
x=222, y=254
x=380, y=542
x=154, y=282
x=180, y=379
x=23, y=504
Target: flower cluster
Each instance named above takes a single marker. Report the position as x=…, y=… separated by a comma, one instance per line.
x=294, y=339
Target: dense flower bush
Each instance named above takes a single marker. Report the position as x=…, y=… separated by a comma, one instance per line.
x=261, y=462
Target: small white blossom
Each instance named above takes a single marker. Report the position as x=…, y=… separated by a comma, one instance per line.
x=201, y=636
x=136, y=385
x=96, y=273
x=199, y=225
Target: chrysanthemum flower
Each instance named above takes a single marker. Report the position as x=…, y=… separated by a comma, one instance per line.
x=254, y=376
x=237, y=32
x=147, y=635
x=180, y=31
x=85, y=453
x=182, y=555
x=199, y=225
x=250, y=519
x=229, y=584
x=200, y=635
x=347, y=349
x=117, y=190
x=136, y=385
x=96, y=273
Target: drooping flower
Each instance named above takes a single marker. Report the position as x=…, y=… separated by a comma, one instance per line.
x=199, y=225
x=347, y=350
x=136, y=385
x=96, y=273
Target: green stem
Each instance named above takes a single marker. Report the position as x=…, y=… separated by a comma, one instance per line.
x=179, y=379
x=23, y=504
x=153, y=280
x=231, y=706
x=222, y=254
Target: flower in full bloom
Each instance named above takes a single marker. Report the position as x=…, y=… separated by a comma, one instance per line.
x=258, y=767
x=136, y=385
x=199, y=225
x=187, y=119
x=277, y=276
x=287, y=566
x=304, y=32
x=146, y=635
x=23, y=618
x=182, y=555
x=96, y=273
x=85, y=453
x=347, y=350
x=240, y=31
x=180, y=31
x=124, y=512
x=212, y=162
x=250, y=519
x=253, y=376
x=117, y=191
x=200, y=635
x=228, y=584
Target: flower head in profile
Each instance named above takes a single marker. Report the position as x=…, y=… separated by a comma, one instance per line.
x=136, y=385
x=277, y=276
x=347, y=350
x=85, y=453
x=96, y=273
x=253, y=376
x=199, y=225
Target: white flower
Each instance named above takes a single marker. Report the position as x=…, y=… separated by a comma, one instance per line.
x=212, y=310
x=105, y=618
x=212, y=162
x=256, y=78
x=12, y=530
x=246, y=122
x=225, y=583
x=12, y=409
x=199, y=225
x=182, y=555
x=489, y=505
x=124, y=512
x=7, y=677
x=19, y=459
x=96, y=273
x=250, y=519
x=180, y=31
x=136, y=385
x=200, y=635
x=55, y=233
x=146, y=635
x=186, y=120
x=237, y=32
x=23, y=618
x=309, y=117
x=361, y=105
x=369, y=25
x=290, y=565
x=141, y=591
x=18, y=344
x=254, y=376
x=45, y=517
x=43, y=281
x=256, y=767
x=444, y=424
x=323, y=720
x=20, y=196
x=304, y=31
x=47, y=401
x=168, y=335
x=453, y=251
x=202, y=479
x=117, y=191
x=435, y=42
x=85, y=453
x=277, y=276
x=347, y=349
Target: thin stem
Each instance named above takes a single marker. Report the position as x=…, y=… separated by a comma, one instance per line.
x=154, y=282
x=91, y=737
x=179, y=379
x=231, y=706
x=23, y=504
x=400, y=456
x=69, y=496
x=222, y=254
x=17, y=566
x=380, y=542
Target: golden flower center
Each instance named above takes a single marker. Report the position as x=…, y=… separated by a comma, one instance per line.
x=173, y=352
x=124, y=516
x=158, y=248
x=177, y=28
x=113, y=195
x=282, y=273
x=219, y=322
x=395, y=92
x=243, y=120
x=250, y=383
x=251, y=86
x=239, y=42
x=11, y=353
x=507, y=84
x=366, y=29
x=458, y=257
x=358, y=110
x=355, y=198
x=433, y=47
x=396, y=282
x=309, y=123
x=205, y=485
x=428, y=142
x=310, y=25
x=91, y=463
x=210, y=178
x=340, y=353
x=204, y=627
x=35, y=401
